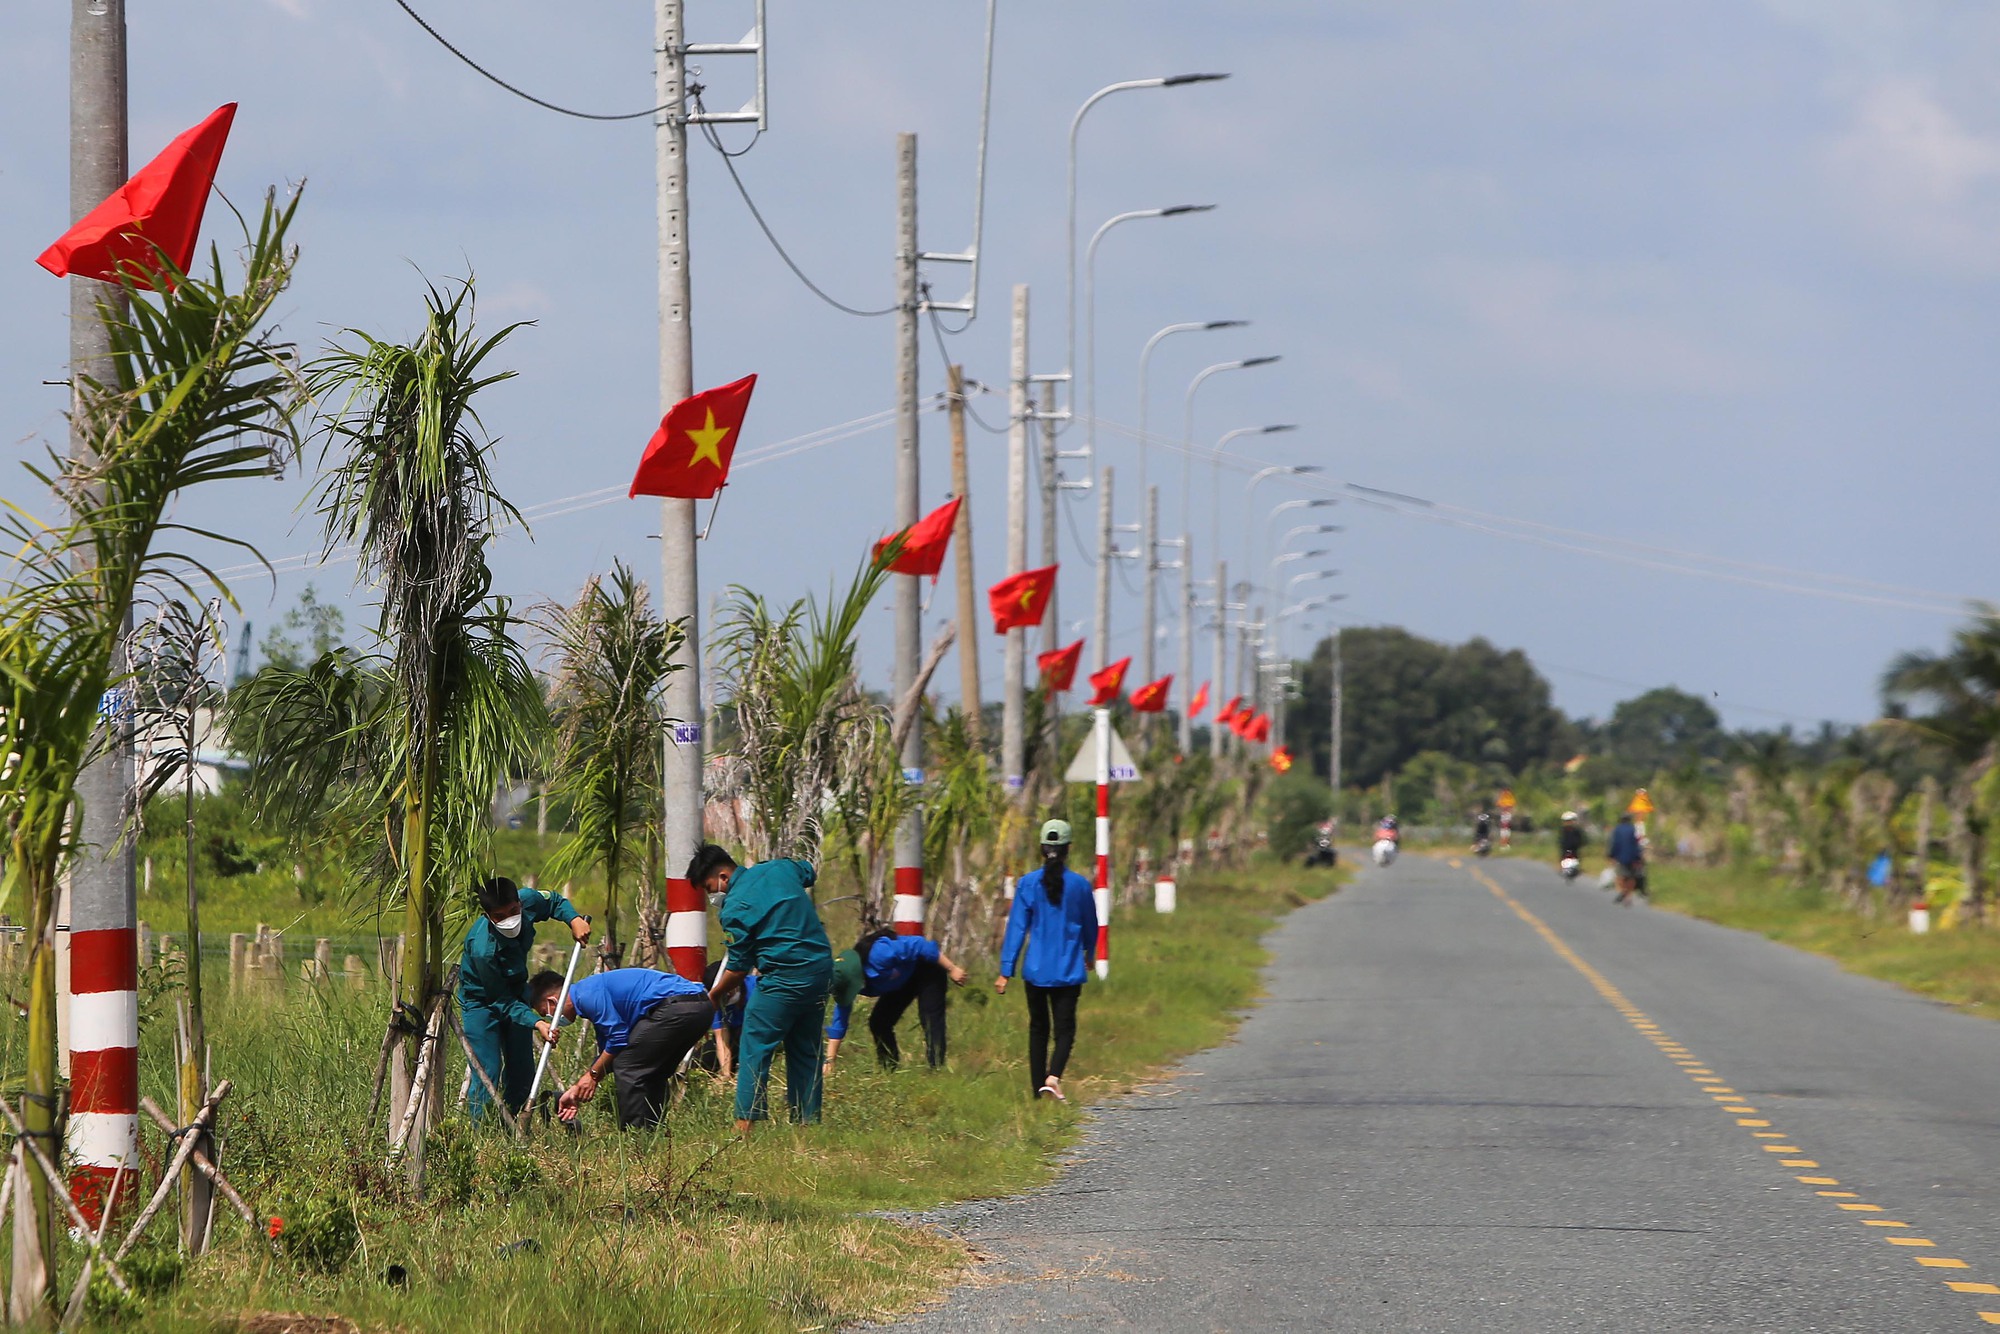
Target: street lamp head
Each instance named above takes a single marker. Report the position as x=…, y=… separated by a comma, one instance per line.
x=1281, y=426
x=1176, y=80
x=1226, y=324
x=1175, y=210
x=1248, y=362
x=1298, y=469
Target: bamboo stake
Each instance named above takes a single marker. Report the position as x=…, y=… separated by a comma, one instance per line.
x=189, y=1140
x=74, y=1307
x=420, y=1082
x=209, y=1170
x=61, y=1192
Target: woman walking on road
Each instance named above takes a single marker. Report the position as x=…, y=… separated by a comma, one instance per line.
x=1055, y=914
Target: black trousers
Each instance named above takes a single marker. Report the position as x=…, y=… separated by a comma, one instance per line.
x=1044, y=1004
x=929, y=988
x=653, y=1051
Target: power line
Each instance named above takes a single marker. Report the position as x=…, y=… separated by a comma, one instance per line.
x=729, y=164
x=522, y=93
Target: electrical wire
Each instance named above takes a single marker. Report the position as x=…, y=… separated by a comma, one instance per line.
x=491, y=77
x=729, y=164
x=938, y=332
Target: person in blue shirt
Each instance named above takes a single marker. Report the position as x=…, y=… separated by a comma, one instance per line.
x=1628, y=851
x=895, y=969
x=646, y=1022
x=1055, y=914
x=493, y=982
x=773, y=929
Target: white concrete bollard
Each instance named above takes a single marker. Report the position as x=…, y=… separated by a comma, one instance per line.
x=1163, y=895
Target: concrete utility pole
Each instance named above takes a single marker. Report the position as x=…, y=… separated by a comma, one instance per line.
x=1107, y=551
x=1013, y=722
x=1333, y=747
x=1215, y=730
x=968, y=606
x=1148, y=628
x=1052, y=614
x=680, y=589
x=909, y=907
x=103, y=939
x=1186, y=736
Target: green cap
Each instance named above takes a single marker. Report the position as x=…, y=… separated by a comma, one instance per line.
x=1056, y=831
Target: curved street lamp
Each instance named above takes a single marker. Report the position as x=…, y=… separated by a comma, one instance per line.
x=1090, y=318
x=1187, y=422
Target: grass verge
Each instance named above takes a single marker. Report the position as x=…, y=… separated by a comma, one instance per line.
x=1960, y=967
x=684, y=1229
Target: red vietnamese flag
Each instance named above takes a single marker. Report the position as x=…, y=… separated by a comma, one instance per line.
x=1258, y=729
x=1058, y=667
x=1199, y=702
x=1281, y=759
x=157, y=212
x=923, y=542
x=1020, y=599
x=1107, y=683
x=1152, y=697
x=1227, y=717
x=688, y=457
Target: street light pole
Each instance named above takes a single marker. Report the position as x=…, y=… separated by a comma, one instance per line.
x=1187, y=421
x=1215, y=479
x=1090, y=313
x=1250, y=492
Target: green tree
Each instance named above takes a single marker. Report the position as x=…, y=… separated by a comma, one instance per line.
x=1666, y=728
x=305, y=633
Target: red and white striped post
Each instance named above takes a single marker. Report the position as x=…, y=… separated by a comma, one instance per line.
x=103, y=1132
x=687, y=929
x=1101, y=886
x=908, y=911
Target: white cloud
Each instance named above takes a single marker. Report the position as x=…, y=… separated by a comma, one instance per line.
x=1921, y=180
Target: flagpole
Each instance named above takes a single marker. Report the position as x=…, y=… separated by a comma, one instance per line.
x=680, y=588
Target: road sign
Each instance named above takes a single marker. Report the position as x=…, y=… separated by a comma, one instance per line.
x=1083, y=769
x=1641, y=805
x=1505, y=801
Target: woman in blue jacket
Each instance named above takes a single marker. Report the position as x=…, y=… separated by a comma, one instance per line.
x=1056, y=915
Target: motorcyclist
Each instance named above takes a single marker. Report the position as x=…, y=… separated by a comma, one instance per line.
x=1569, y=839
x=1482, y=830
x=1389, y=829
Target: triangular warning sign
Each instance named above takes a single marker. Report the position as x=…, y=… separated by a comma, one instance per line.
x=1083, y=769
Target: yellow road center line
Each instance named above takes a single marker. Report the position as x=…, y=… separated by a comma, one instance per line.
x=1749, y=1120
x=1990, y=1317
x=1837, y=1194
x=1726, y=1097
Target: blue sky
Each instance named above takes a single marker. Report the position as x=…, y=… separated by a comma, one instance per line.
x=1717, y=279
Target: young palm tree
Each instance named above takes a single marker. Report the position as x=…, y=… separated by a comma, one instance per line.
x=411, y=485
x=806, y=728
x=199, y=391
x=613, y=655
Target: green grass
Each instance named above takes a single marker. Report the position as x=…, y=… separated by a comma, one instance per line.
x=1960, y=967
x=686, y=1228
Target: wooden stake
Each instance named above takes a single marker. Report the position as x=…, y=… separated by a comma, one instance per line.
x=61, y=1192
x=208, y=1169
x=190, y=1138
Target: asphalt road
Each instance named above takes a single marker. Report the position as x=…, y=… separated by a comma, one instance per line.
x=1511, y=1105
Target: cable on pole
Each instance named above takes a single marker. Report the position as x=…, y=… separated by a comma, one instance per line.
x=521, y=93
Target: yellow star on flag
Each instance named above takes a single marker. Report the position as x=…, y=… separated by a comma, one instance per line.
x=1027, y=598
x=706, y=441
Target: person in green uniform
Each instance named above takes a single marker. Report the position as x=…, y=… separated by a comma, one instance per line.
x=769, y=924
x=493, y=985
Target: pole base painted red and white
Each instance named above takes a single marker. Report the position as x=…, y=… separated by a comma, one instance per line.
x=103, y=1130
x=687, y=929
x=907, y=913
x=1101, y=886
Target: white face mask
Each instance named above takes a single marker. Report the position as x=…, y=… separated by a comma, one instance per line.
x=508, y=926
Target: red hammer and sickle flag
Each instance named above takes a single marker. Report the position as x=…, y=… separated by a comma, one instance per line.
x=1107, y=683
x=157, y=212
x=1227, y=718
x=1152, y=697
x=1199, y=702
x=1020, y=599
x=923, y=543
x=1058, y=667
x=688, y=457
